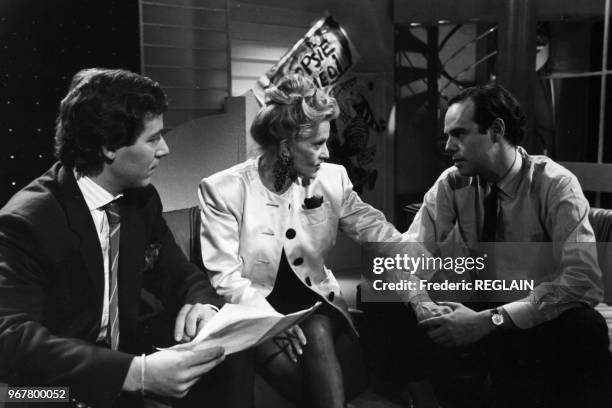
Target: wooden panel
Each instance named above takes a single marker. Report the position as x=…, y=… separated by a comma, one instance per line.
x=160, y=14
x=182, y=37
x=195, y=98
x=185, y=48
x=569, y=9
x=240, y=69
x=313, y=6
x=188, y=77
x=258, y=51
x=275, y=34
x=262, y=32
x=185, y=58
x=405, y=12
x=423, y=11
x=176, y=117
x=252, y=13
x=198, y=149
x=592, y=176
x=213, y=4
x=242, y=85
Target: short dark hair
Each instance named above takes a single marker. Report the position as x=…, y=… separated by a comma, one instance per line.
x=492, y=101
x=103, y=107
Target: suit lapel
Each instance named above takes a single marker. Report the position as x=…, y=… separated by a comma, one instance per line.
x=81, y=223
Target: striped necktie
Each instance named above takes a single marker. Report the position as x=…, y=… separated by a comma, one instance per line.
x=114, y=218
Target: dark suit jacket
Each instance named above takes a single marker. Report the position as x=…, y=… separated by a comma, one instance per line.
x=52, y=283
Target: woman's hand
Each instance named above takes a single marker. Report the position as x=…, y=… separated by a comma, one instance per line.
x=291, y=342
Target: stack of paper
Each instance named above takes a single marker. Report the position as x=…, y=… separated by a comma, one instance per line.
x=238, y=327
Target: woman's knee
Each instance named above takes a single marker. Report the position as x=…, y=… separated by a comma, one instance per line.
x=318, y=330
x=278, y=370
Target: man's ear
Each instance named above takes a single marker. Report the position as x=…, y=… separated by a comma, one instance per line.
x=497, y=129
x=109, y=154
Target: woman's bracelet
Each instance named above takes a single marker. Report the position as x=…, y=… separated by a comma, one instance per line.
x=142, y=374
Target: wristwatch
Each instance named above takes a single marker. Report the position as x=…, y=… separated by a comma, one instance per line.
x=497, y=319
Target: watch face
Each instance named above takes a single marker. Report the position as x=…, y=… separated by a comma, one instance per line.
x=498, y=319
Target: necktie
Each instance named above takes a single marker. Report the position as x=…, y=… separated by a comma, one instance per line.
x=112, y=332
x=489, y=228
x=489, y=232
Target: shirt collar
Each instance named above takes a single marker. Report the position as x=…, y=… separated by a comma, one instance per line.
x=95, y=195
x=509, y=183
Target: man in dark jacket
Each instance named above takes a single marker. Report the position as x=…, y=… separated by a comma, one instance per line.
x=79, y=243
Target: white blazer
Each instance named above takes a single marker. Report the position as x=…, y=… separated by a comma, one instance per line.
x=245, y=227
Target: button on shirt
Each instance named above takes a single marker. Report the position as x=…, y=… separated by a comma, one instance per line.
x=96, y=198
x=539, y=201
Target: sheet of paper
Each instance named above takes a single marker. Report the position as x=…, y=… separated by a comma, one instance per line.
x=239, y=327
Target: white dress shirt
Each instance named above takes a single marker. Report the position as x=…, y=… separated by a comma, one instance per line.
x=540, y=201
x=96, y=198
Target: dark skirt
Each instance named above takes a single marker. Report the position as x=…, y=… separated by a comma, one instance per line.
x=290, y=295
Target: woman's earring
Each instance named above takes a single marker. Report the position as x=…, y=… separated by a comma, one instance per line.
x=283, y=170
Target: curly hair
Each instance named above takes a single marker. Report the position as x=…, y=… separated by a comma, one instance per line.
x=492, y=101
x=103, y=108
x=293, y=108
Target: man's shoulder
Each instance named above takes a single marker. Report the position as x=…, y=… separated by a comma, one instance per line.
x=451, y=178
x=548, y=167
x=39, y=199
x=35, y=216
x=544, y=169
x=143, y=197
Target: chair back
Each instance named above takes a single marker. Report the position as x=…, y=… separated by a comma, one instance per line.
x=601, y=221
x=185, y=226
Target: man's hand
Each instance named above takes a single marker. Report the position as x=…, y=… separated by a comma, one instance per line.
x=291, y=342
x=460, y=327
x=426, y=309
x=170, y=373
x=190, y=320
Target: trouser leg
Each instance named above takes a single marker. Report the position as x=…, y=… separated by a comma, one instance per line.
x=561, y=363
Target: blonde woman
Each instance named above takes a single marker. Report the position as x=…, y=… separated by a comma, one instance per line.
x=268, y=224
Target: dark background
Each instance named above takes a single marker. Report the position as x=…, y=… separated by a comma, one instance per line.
x=43, y=43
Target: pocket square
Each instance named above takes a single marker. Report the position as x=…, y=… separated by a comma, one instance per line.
x=312, y=202
x=151, y=255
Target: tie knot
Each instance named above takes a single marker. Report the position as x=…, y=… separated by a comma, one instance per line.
x=112, y=212
x=493, y=192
